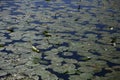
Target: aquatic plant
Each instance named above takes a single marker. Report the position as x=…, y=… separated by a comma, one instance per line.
x=47, y=0
x=86, y=58
x=46, y=34
x=36, y=60
x=1, y=45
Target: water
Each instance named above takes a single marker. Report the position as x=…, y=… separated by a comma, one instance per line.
x=75, y=39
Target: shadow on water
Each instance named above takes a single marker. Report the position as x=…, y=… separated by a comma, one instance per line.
x=98, y=35
x=94, y=52
x=103, y=72
x=44, y=61
x=59, y=75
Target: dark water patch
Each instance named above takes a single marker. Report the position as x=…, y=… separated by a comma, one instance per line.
x=56, y=8
x=16, y=13
x=63, y=62
x=88, y=7
x=17, y=41
x=100, y=26
x=39, y=77
x=4, y=76
x=98, y=42
x=32, y=29
x=39, y=22
x=111, y=10
x=118, y=21
x=98, y=35
x=11, y=23
x=102, y=73
x=49, y=22
x=67, y=32
x=73, y=56
x=85, y=23
x=75, y=39
x=59, y=75
x=67, y=1
x=94, y=52
x=116, y=57
x=10, y=2
x=109, y=31
x=99, y=3
x=61, y=15
x=36, y=22
x=56, y=16
x=48, y=49
x=64, y=44
x=7, y=51
x=117, y=49
x=33, y=16
x=55, y=46
x=92, y=14
x=76, y=66
x=43, y=4
x=14, y=41
x=45, y=62
x=43, y=56
x=35, y=44
x=7, y=35
x=111, y=64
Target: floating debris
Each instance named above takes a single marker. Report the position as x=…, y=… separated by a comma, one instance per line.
x=10, y=30
x=47, y=0
x=113, y=41
x=86, y=58
x=46, y=34
x=79, y=7
x=111, y=28
x=1, y=45
x=76, y=19
x=35, y=49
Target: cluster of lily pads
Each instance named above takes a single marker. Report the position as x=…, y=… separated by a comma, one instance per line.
x=59, y=40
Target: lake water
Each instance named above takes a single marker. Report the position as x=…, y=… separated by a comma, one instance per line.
x=59, y=40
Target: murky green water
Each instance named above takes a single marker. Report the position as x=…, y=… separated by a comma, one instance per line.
x=59, y=40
